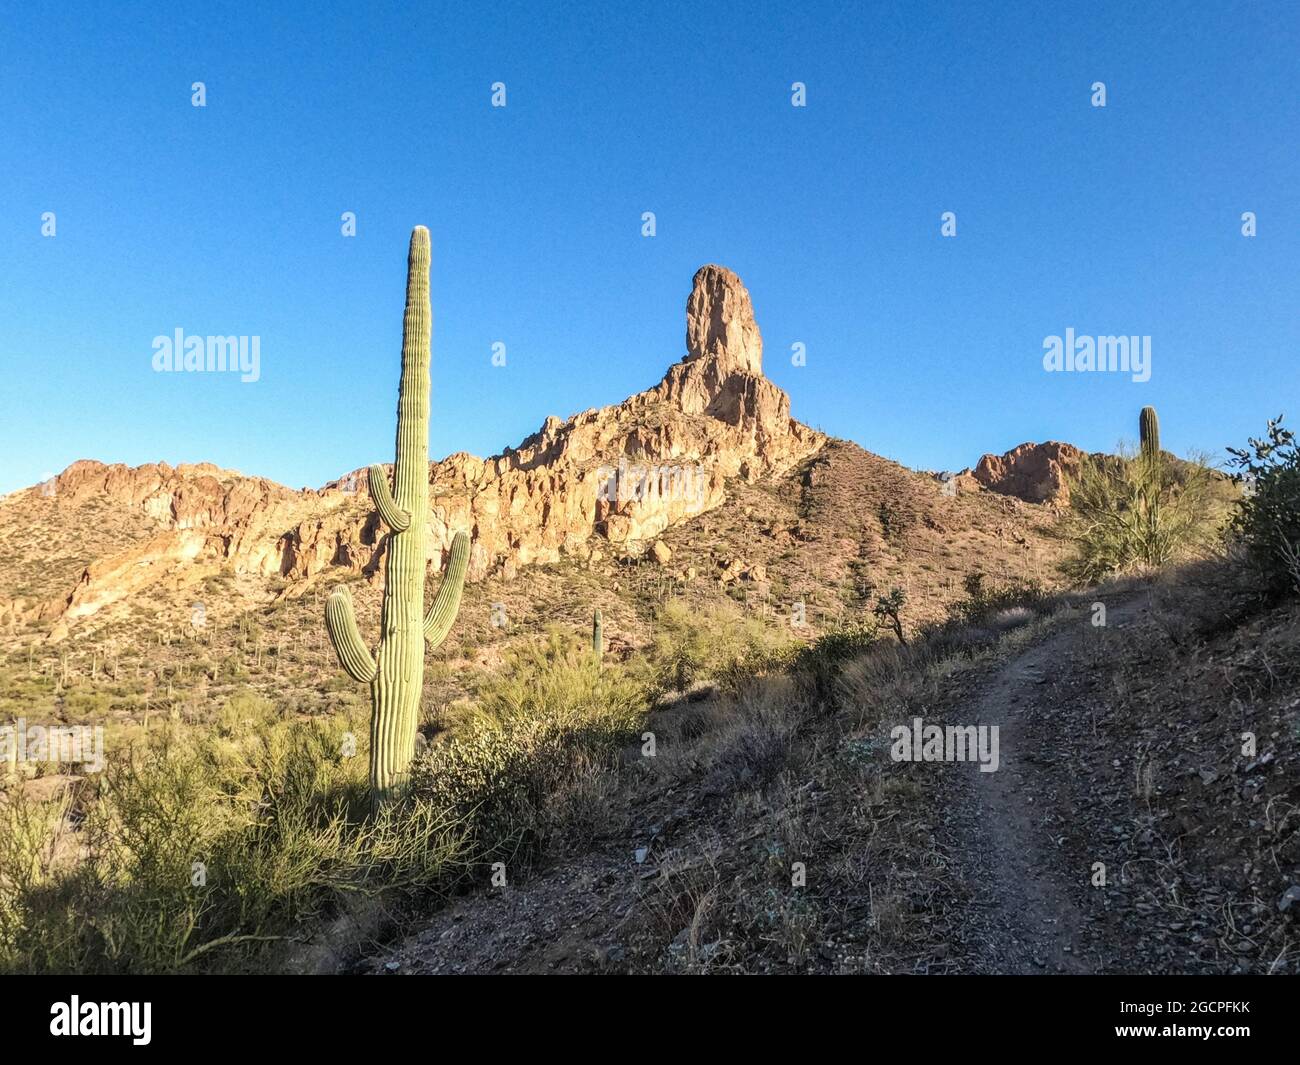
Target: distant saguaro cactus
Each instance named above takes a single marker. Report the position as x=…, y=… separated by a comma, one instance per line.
x=1149, y=434
x=1151, y=483
x=597, y=636
x=396, y=674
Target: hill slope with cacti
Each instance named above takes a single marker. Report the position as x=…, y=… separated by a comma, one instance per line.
x=696, y=528
x=186, y=584
x=686, y=623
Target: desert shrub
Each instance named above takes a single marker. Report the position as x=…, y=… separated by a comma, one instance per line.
x=720, y=643
x=1129, y=513
x=1011, y=618
x=196, y=850
x=889, y=608
x=819, y=663
x=537, y=747
x=756, y=739
x=1266, y=520
x=734, y=741
x=558, y=677
x=984, y=601
x=877, y=681
x=83, y=705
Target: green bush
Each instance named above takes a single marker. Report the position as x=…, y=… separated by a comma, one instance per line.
x=1266, y=520
x=1130, y=513
x=198, y=850
x=719, y=643
x=538, y=731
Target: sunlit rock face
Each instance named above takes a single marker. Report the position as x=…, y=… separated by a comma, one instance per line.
x=619, y=475
x=1036, y=473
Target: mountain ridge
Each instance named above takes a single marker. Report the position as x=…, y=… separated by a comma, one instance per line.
x=611, y=478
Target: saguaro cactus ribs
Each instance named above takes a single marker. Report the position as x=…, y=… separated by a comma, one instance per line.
x=1149, y=433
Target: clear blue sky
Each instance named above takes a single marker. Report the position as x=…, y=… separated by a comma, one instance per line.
x=226, y=219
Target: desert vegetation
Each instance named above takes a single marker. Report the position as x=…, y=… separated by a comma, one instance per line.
x=1139, y=510
x=1266, y=524
x=246, y=843
x=211, y=847
x=713, y=701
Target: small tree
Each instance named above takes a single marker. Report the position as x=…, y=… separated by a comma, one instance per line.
x=889, y=608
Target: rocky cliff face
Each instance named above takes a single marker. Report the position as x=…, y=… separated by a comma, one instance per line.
x=196, y=519
x=617, y=475
x=1036, y=473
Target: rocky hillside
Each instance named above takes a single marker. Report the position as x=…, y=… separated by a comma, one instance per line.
x=714, y=437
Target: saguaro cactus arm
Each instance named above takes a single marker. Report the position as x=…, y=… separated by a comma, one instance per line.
x=393, y=516
x=442, y=611
x=341, y=622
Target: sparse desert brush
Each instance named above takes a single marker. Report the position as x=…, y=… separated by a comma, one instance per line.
x=198, y=851
x=870, y=683
x=536, y=746
x=209, y=848
x=720, y=642
x=1011, y=618
x=819, y=663
x=986, y=600
x=1140, y=510
x=736, y=740
x=888, y=677
x=515, y=786
x=756, y=739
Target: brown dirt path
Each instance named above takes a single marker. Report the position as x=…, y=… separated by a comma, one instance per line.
x=1030, y=908
x=1034, y=909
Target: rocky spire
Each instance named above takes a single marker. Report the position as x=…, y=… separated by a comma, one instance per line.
x=713, y=417
x=720, y=323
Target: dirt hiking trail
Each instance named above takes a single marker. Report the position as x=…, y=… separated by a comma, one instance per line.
x=1021, y=841
x=1034, y=911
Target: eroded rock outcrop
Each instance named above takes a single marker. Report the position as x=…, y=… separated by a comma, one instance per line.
x=720, y=323
x=1036, y=473
x=623, y=474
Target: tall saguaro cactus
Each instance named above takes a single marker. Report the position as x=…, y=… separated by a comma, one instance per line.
x=597, y=636
x=396, y=673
